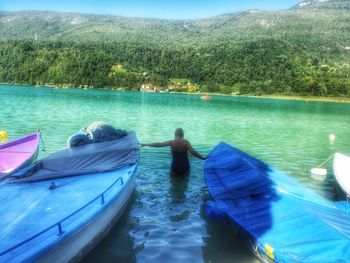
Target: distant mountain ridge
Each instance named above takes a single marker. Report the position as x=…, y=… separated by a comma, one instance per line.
x=334, y=4
x=225, y=28
x=306, y=3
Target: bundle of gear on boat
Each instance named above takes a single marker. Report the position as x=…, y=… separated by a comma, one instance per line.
x=98, y=131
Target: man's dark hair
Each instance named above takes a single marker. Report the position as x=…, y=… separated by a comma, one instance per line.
x=179, y=132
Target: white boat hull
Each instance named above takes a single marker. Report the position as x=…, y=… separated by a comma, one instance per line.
x=341, y=169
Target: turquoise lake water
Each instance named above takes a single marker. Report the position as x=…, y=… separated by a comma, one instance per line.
x=165, y=219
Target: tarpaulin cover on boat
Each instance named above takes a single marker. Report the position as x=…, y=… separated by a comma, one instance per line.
x=90, y=158
x=286, y=221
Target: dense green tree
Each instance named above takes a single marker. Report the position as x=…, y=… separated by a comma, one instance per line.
x=261, y=66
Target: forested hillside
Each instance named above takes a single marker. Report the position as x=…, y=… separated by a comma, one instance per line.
x=303, y=50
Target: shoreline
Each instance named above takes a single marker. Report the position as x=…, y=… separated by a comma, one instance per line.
x=266, y=96
x=303, y=98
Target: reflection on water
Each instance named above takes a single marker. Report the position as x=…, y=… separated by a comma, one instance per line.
x=165, y=220
x=117, y=246
x=223, y=238
x=169, y=213
x=178, y=188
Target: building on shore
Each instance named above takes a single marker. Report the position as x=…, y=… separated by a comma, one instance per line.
x=148, y=88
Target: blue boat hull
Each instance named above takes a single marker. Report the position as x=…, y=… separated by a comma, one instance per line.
x=41, y=223
x=284, y=221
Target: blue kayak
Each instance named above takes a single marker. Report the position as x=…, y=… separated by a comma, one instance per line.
x=284, y=221
x=58, y=209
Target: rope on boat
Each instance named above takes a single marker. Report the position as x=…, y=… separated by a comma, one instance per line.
x=43, y=148
x=326, y=160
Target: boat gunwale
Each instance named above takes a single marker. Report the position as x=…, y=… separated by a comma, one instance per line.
x=27, y=138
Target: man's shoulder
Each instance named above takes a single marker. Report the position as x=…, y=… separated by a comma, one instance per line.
x=187, y=142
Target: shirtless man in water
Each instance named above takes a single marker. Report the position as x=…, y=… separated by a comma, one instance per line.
x=180, y=166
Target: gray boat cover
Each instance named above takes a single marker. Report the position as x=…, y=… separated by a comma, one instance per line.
x=98, y=131
x=87, y=159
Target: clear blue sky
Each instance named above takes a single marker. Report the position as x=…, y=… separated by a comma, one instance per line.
x=171, y=9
